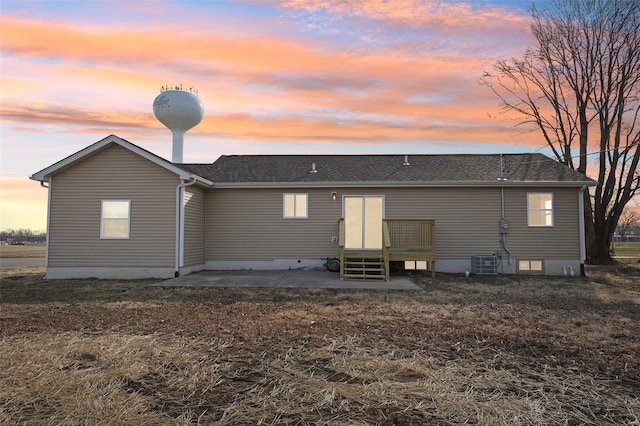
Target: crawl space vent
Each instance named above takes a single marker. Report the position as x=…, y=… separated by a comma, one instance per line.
x=484, y=265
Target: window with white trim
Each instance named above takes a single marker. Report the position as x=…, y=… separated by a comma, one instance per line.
x=540, y=209
x=114, y=219
x=295, y=206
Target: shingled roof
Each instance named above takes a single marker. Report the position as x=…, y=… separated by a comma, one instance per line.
x=371, y=169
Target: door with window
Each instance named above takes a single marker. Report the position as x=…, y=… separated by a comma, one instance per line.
x=363, y=222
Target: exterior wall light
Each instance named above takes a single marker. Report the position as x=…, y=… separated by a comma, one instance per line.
x=334, y=195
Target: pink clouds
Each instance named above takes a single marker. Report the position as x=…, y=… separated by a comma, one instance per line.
x=430, y=26
x=391, y=74
x=294, y=79
x=449, y=16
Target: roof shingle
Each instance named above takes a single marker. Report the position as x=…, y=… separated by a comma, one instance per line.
x=460, y=168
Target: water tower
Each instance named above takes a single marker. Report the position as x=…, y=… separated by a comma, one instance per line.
x=179, y=110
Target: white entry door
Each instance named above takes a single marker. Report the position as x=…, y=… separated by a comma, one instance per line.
x=363, y=222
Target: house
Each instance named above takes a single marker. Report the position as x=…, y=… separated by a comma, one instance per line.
x=117, y=210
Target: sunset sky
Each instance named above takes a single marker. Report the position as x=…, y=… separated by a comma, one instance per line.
x=299, y=77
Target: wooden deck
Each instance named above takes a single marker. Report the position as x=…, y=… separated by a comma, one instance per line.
x=403, y=240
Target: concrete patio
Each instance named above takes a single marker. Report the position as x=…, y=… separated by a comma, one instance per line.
x=283, y=279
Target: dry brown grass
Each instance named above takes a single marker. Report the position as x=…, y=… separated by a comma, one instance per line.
x=30, y=251
x=506, y=350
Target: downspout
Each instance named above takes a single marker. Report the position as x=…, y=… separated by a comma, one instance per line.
x=583, y=245
x=180, y=223
x=46, y=243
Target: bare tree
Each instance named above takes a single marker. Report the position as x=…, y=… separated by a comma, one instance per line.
x=628, y=223
x=579, y=86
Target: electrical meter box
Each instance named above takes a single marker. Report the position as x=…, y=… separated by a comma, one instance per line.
x=504, y=226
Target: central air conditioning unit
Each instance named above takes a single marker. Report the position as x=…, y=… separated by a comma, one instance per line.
x=484, y=265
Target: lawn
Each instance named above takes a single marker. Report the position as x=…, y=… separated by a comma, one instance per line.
x=29, y=250
x=489, y=351
x=627, y=249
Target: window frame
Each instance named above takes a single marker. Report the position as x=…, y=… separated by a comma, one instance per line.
x=295, y=196
x=529, y=269
x=535, y=210
x=104, y=219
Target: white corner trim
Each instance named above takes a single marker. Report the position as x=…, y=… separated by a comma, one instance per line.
x=47, y=235
x=581, y=226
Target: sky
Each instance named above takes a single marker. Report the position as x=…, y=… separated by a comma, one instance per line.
x=275, y=77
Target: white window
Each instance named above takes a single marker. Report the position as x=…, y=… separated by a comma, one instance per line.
x=540, y=209
x=295, y=206
x=530, y=265
x=114, y=220
x=413, y=265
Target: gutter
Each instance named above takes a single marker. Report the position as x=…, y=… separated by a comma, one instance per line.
x=180, y=221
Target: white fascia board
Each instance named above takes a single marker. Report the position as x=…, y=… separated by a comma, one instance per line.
x=386, y=184
x=43, y=174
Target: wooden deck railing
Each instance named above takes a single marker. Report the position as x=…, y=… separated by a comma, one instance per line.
x=411, y=234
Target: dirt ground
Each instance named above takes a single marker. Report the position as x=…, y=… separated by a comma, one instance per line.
x=489, y=351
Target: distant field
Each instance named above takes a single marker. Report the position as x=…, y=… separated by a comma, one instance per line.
x=8, y=252
x=12, y=252
x=627, y=249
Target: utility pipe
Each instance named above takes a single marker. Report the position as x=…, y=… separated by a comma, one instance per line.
x=503, y=234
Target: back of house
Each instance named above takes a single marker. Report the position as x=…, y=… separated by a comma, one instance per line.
x=118, y=210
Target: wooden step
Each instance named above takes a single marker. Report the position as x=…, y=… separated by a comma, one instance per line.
x=363, y=269
x=363, y=277
x=363, y=266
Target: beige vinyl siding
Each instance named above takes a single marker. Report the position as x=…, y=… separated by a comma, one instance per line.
x=247, y=224
x=194, y=226
x=466, y=218
x=467, y=221
x=112, y=174
x=560, y=241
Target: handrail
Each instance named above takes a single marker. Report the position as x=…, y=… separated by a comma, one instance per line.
x=386, y=239
x=416, y=234
x=386, y=243
x=341, y=239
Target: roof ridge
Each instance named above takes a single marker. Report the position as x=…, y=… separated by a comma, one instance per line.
x=379, y=155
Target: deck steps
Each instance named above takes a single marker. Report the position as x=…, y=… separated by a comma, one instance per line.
x=363, y=266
